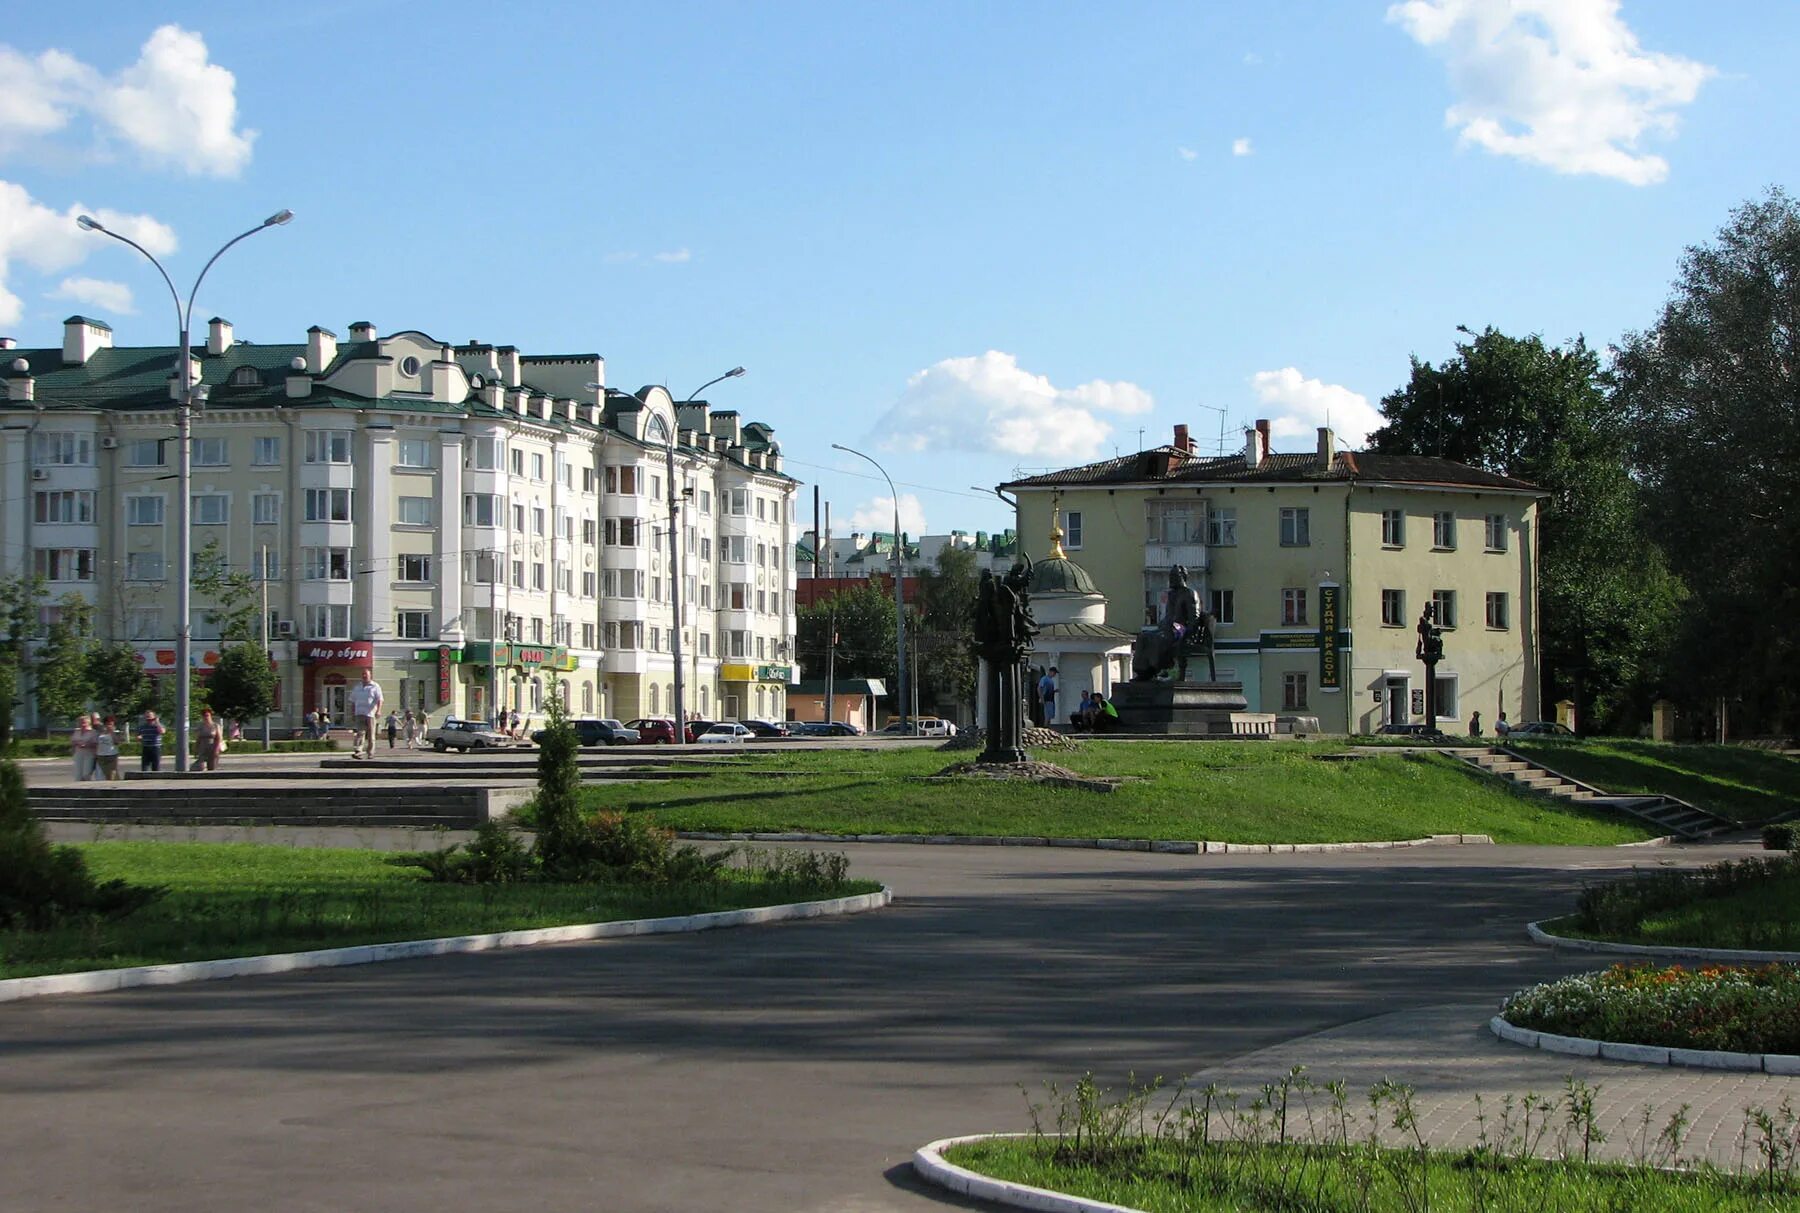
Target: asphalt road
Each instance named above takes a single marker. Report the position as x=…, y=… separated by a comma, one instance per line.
x=783, y=1068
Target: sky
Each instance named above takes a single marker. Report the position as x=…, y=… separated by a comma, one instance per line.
x=971, y=240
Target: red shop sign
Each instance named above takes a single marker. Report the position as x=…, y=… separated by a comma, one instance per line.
x=443, y=673
x=336, y=652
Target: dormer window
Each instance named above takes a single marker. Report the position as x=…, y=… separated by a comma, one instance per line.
x=245, y=376
x=409, y=366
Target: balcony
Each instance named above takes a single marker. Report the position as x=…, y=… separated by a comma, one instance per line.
x=1190, y=555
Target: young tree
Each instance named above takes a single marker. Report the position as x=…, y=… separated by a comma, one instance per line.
x=561, y=833
x=1542, y=414
x=120, y=686
x=236, y=599
x=1712, y=395
x=943, y=628
x=63, y=683
x=20, y=598
x=864, y=618
x=242, y=685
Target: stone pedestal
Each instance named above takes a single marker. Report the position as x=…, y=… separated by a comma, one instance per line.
x=1189, y=709
x=1004, y=722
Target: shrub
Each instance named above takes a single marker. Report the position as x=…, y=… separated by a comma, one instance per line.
x=43, y=886
x=497, y=856
x=1617, y=907
x=1780, y=837
x=560, y=841
x=631, y=847
x=1747, y=1010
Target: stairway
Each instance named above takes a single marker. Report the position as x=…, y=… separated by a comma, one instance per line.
x=1677, y=817
x=192, y=803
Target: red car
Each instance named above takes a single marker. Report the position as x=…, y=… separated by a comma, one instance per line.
x=653, y=730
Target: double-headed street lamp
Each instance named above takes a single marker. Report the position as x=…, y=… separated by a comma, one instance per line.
x=675, y=569
x=899, y=570
x=184, y=427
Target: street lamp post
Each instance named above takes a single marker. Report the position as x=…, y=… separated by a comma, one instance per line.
x=184, y=428
x=899, y=605
x=675, y=554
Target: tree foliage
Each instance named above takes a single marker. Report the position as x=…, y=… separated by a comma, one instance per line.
x=1543, y=414
x=235, y=594
x=64, y=685
x=862, y=620
x=943, y=630
x=1712, y=395
x=116, y=675
x=561, y=831
x=242, y=685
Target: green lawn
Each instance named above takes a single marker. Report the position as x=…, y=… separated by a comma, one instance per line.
x=1255, y=792
x=245, y=900
x=1763, y=918
x=1752, y=786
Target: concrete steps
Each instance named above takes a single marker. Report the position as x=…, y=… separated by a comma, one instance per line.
x=193, y=803
x=1666, y=813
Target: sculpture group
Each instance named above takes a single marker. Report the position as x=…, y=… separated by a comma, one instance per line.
x=1004, y=630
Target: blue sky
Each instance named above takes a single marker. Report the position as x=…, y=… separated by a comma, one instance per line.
x=970, y=239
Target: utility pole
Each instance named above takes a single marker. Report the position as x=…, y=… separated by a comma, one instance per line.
x=263, y=576
x=831, y=666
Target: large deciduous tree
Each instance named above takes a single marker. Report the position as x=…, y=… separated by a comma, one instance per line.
x=1712, y=391
x=64, y=685
x=1543, y=414
x=862, y=621
x=943, y=629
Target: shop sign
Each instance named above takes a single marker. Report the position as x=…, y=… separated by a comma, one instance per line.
x=1290, y=640
x=1418, y=701
x=431, y=655
x=337, y=652
x=443, y=663
x=773, y=673
x=160, y=659
x=1330, y=638
x=522, y=656
x=738, y=673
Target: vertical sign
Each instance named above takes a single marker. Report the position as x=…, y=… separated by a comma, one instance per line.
x=1330, y=637
x=443, y=656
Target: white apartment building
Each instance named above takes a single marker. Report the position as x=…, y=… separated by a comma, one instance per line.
x=480, y=527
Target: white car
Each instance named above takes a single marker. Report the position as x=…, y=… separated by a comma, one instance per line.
x=466, y=735
x=729, y=733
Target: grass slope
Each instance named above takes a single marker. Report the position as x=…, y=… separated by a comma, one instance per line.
x=1257, y=792
x=247, y=900
x=1753, y=786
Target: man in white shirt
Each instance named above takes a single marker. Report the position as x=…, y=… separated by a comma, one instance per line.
x=365, y=705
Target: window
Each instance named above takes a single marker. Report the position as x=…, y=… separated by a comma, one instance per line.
x=705, y=647
x=740, y=594
x=1447, y=697
x=609, y=635
x=328, y=505
x=518, y=574
x=565, y=579
x=739, y=643
x=486, y=454
x=1393, y=528
x=271, y=564
x=1443, y=530
x=1393, y=608
x=518, y=517
x=64, y=564
x=143, y=511
x=1443, y=607
x=537, y=465
x=413, y=625
x=412, y=453
x=587, y=486
x=145, y=453
x=143, y=623
x=588, y=585
x=537, y=631
x=265, y=451
x=211, y=509
x=706, y=502
x=414, y=511
x=68, y=450
x=736, y=549
x=1296, y=526
x=66, y=505
x=483, y=509
x=1222, y=606
x=629, y=529
x=739, y=503
x=655, y=486
x=1293, y=606
x=760, y=504
x=587, y=635
x=484, y=568
x=415, y=567
x=209, y=452
x=328, y=446
x=325, y=564
x=1173, y=522
x=590, y=532
x=518, y=462
x=537, y=520
x=326, y=621
x=706, y=547
x=143, y=566
x=1293, y=692
x=1498, y=616
x=537, y=575
x=1221, y=527
x=1496, y=532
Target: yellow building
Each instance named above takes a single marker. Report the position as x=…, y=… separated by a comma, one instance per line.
x=1316, y=568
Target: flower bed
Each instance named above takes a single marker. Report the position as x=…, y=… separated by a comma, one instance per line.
x=1744, y=1010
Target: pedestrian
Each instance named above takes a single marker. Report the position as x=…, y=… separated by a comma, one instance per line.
x=365, y=706
x=514, y=730
x=393, y=729
x=237, y=730
x=106, y=749
x=1047, y=691
x=81, y=744
x=209, y=742
x=1474, y=724
x=150, y=738
x=1501, y=728
x=1082, y=716
x=410, y=730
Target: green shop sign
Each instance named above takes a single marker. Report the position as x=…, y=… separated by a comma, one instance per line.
x=518, y=656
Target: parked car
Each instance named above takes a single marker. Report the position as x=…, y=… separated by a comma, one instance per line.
x=935, y=726
x=1541, y=728
x=597, y=731
x=727, y=733
x=827, y=728
x=697, y=727
x=466, y=735
x=767, y=728
x=653, y=730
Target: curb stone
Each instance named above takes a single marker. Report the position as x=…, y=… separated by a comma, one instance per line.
x=1161, y=846
x=101, y=980
x=1655, y=1055
x=930, y=1165
x=1573, y=944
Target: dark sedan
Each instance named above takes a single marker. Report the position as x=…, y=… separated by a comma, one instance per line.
x=827, y=728
x=597, y=731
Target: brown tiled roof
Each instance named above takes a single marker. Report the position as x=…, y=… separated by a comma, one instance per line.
x=1167, y=465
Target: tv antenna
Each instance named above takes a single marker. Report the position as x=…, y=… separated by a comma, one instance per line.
x=1223, y=417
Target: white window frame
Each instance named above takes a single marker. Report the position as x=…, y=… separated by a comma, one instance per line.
x=413, y=567
x=1496, y=532
x=220, y=501
x=1443, y=530
x=1296, y=526
x=265, y=509
x=1443, y=608
x=413, y=625
x=414, y=453
x=1500, y=620
x=330, y=446
x=210, y=452
x=419, y=509
x=1397, y=617
x=1393, y=528
x=1293, y=606
x=266, y=451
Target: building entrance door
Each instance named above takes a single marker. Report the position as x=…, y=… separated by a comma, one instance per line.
x=335, y=699
x=1396, y=701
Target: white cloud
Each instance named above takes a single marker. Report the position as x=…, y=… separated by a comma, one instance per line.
x=676, y=257
x=989, y=403
x=49, y=241
x=1252, y=59
x=1561, y=83
x=1297, y=406
x=96, y=292
x=878, y=515
x=1240, y=147
x=1187, y=153
x=173, y=106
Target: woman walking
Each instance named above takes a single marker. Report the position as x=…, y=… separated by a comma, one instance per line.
x=150, y=737
x=393, y=729
x=208, y=741
x=412, y=730
x=82, y=743
x=106, y=749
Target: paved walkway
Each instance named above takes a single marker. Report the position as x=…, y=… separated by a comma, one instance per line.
x=795, y=1068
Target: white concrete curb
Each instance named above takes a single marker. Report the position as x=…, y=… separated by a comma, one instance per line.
x=1656, y=1055
x=1099, y=844
x=101, y=980
x=1729, y=955
x=930, y=1164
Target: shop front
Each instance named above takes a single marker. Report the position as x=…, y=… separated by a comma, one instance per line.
x=520, y=677
x=329, y=668
x=755, y=692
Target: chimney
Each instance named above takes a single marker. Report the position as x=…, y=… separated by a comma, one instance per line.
x=1327, y=448
x=321, y=349
x=299, y=383
x=82, y=337
x=218, y=336
x=509, y=365
x=1256, y=446
x=362, y=330
x=1268, y=445
x=20, y=386
x=1183, y=443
